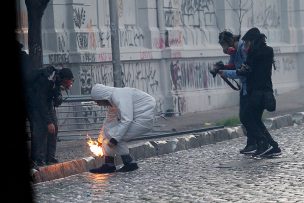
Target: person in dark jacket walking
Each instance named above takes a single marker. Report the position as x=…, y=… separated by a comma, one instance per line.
x=45, y=95
x=258, y=71
x=234, y=46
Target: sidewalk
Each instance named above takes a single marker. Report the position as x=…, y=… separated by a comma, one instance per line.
x=287, y=103
x=290, y=102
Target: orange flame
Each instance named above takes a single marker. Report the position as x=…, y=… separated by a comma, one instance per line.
x=97, y=150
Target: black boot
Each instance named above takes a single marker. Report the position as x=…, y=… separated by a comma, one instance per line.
x=129, y=164
x=107, y=167
x=51, y=161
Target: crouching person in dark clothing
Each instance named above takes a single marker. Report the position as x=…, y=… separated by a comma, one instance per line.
x=130, y=114
x=44, y=96
x=258, y=71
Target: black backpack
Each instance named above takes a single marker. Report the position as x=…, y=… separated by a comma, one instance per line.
x=33, y=81
x=34, y=74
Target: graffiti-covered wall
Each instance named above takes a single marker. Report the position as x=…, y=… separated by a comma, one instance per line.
x=167, y=46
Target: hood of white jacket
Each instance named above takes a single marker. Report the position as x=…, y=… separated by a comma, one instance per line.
x=101, y=92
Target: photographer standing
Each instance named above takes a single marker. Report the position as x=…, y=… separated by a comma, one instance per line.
x=233, y=46
x=258, y=71
x=44, y=89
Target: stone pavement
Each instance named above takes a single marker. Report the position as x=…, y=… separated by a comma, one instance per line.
x=76, y=157
x=148, y=148
x=211, y=173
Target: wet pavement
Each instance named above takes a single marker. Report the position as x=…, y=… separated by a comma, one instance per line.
x=211, y=173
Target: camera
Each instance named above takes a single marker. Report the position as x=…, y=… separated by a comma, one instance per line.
x=216, y=67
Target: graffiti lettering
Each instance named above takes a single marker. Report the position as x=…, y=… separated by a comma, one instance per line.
x=105, y=39
x=193, y=75
x=267, y=15
x=145, y=55
x=131, y=36
x=92, y=74
x=104, y=57
x=175, y=39
x=79, y=17
x=171, y=13
x=85, y=78
x=198, y=12
x=58, y=58
x=158, y=43
x=88, y=57
x=142, y=75
x=288, y=64
x=82, y=40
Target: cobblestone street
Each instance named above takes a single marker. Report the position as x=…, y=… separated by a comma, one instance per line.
x=211, y=173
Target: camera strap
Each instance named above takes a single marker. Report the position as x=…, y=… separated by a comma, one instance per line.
x=231, y=85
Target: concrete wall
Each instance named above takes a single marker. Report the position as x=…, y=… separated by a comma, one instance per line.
x=168, y=46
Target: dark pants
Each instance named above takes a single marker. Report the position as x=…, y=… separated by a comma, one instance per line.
x=43, y=144
x=244, y=99
x=253, y=119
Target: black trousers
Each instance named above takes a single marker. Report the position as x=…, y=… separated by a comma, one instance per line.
x=253, y=112
x=244, y=99
x=43, y=144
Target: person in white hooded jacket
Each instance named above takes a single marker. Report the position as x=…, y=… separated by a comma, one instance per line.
x=130, y=114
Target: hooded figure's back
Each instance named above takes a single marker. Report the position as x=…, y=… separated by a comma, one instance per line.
x=131, y=114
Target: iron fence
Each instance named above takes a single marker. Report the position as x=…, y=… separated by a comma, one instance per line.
x=79, y=116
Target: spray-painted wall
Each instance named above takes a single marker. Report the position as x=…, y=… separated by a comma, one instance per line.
x=168, y=46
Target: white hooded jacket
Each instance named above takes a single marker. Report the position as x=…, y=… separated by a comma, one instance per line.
x=131, y=114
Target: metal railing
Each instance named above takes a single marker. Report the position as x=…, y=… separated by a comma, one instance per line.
x=79, y=116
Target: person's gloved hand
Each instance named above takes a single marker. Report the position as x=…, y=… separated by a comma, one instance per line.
x=244, y=70
x=111, y=143
x=51, y=128
x=219, y=65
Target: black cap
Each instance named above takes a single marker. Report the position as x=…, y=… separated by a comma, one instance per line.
x=251, y=34
x=225, y=36
x=66, y=73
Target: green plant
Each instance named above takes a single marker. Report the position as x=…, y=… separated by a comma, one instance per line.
x=233, y=121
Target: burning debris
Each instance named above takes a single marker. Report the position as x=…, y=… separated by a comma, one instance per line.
x=95, y=146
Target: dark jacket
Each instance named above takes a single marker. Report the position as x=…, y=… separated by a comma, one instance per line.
x=45, y=95
x=260, y=60
x=26, y=67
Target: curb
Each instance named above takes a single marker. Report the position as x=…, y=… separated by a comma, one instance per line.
x=160, y=147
